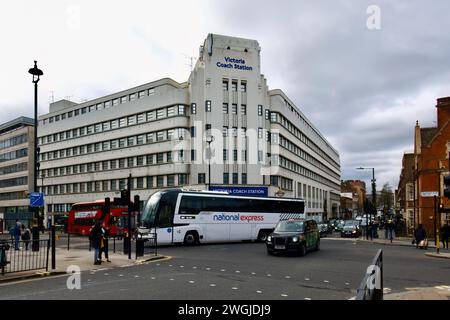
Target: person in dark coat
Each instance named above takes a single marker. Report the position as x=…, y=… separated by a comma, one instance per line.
x=420, y=234
x=95, y=236
x=445, y=234
x=17, y=233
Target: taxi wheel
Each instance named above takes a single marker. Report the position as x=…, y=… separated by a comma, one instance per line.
x=262, y=236
x=302, y=250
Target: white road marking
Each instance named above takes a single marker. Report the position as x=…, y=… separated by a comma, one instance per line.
x=191, y=281
x=269, y=275
x=136, y=276
x=170, y=265
x=171, y=279
x=234, y=288
x=258, y=291
x=237, y=271
x=212, y=285
x=284, y=295
x=222, y=270
x=253, y=273
x=153, y=278
x=208, y=269
x=347, y=284
x=306, y=279
x=106, y=274
x=194, y=267
x=326, y=281
x=288, y=277
x=120, y=275
x=158, y=264
x=307, y=298
x=181, y=266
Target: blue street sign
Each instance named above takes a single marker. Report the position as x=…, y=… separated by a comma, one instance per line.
x=242, y=191
x=36, y=199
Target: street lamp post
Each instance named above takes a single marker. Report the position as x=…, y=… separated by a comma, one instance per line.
x=374, y=198
x=209, y=139
x=36, y=73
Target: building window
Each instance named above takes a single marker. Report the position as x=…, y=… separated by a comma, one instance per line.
x=193, y=108
x=181, y=109
x=235, y=155
x=170, y=134
x=160, y=158
x=171, y=180
x=243, y=86
x=243, y=109
x=160, y=135
x=226, y=178
x=234, y=108
x=267, y=114
x=225, y=84
x=243, y=178
x=105, y=165
x=141, y=94
x=140, y=183
x=122, y=184
x=169, y=156
x=193, y=155
x=208, y=129
x=105, y=185
x=225, y=108
x=234, y=86
x=107, y=104
x=121, y=163
x=149, y=159
x=150, y=116
x=161, y=113
x=123, y=99
x=225, y=154
x=171, y=111
x=235, y=178
x=115, y=102
x=151, y=91
x=140, y=160
x=113, y=185
x=131, y=120
x=208, y=105
x=225, y=131
x=130, y=162
x=130, y=141
x=114, y=124
x=260, y=133
x=160, y=181
x=122, y=143
x=141, y=139
x=122, y=122
x=201, y=178
x=150, y=137
x=183, y=179
x=260, y=110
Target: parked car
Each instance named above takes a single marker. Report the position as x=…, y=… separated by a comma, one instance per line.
x=351, y=229
x=294, y=235
x=340, y=226
x=324, y=229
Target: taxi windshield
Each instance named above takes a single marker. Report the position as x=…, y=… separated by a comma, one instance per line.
x=289, y=226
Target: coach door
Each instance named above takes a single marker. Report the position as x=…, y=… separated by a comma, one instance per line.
x=164, y=228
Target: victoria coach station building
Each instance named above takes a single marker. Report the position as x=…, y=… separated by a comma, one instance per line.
x=222, y=127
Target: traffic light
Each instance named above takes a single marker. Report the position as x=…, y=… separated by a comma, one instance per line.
x=447, y=187
x=106, y=208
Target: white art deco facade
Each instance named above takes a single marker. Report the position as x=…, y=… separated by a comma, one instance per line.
x=160, y=133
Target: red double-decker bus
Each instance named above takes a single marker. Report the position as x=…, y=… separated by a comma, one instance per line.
x=83, y=215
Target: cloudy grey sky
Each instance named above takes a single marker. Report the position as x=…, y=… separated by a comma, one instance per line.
x=364, y=89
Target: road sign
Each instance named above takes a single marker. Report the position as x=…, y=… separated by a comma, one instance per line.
x=36, y=199
x=429, y=194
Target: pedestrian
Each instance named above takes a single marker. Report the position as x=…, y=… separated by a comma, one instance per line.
x=419, y=235
x=26, y=236
x=374, y=230
x=445, y=233
x=104, y=246
x=95, y=237
x=390, y=227
x=17, y=233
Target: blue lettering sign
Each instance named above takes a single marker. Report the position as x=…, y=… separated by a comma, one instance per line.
x=233, y=63
x=242, y=191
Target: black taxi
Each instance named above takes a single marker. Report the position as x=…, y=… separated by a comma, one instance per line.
x=294, y=235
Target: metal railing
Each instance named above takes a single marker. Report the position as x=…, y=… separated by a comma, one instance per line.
x=19, y=256
x=371, y=287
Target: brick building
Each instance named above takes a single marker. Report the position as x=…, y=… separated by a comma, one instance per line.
x=357, y=187
x=405, y=190
x=431, y=148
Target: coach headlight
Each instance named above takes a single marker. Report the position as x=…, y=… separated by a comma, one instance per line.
x=294, y=239
x=269, y=239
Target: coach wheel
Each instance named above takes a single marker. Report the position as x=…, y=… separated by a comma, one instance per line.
x=191, y=238
x=262, y=236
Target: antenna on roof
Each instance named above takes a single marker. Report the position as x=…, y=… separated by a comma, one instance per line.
x=191, y=61
x=52, y=96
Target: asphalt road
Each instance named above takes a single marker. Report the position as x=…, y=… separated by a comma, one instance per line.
x=244, y=271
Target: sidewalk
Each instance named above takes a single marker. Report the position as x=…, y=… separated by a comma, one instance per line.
x=432, y=293
x=82, y=259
